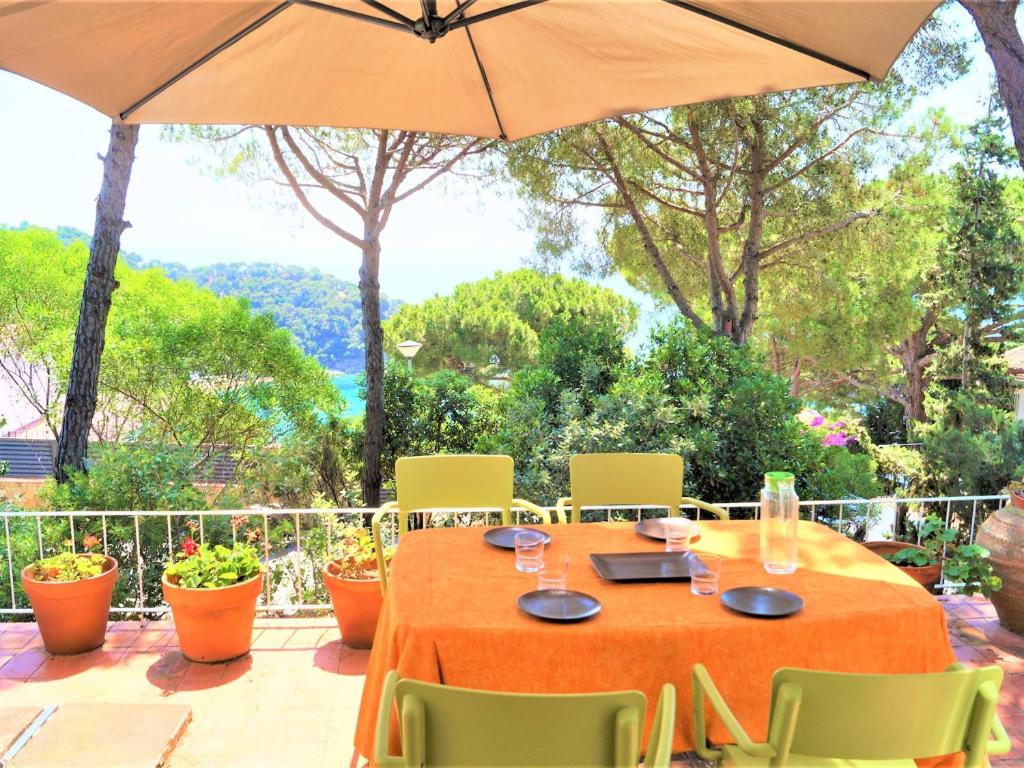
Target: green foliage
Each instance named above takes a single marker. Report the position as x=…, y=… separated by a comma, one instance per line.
x=970, y=448
x=128, y=477
x=503, y=316
x=691, y=393
x=323, y=312
x=935, y=537
x=355, y=556
x=444, y=412
x=180, y=364
x=884, y=421
x=212, y=567
x=67, y=566
x=969, y=565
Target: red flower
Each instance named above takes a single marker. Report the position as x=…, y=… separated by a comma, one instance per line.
x=189, y=547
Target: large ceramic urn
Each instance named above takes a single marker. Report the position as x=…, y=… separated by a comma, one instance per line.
x=1002, y=534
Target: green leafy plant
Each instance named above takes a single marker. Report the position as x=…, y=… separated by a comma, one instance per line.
x=965, y=564
x=70, y=566
x=935, y=537
x=200, y=566
x=357, y=556
x=969, y=565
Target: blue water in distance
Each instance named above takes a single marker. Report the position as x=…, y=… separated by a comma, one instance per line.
x=348, y=385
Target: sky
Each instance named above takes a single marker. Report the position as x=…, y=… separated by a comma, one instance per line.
x=51, y=174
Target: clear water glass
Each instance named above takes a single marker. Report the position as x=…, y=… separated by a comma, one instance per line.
x=677, y=534
x=704, y=572
x=554, y=575
x=529, y=551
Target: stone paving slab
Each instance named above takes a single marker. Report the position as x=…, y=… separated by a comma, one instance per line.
x=14, y=720
x=105, y=736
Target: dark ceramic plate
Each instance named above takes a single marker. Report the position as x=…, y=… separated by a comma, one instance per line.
x=559, y=605
x=764, y=602
x=643, y=566
x=653, y=529
x=505, y=537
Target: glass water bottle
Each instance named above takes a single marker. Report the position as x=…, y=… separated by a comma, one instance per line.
x=780, y=514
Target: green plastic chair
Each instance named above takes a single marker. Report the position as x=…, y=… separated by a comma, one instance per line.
x=449, y=482
x=835, y=719
x=445, y=726
x=622, y=479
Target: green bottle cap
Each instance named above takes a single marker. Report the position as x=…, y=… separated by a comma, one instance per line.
x=775, y=479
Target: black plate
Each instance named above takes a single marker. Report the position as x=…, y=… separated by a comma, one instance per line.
x=764, y=602
x=653, y=529
x=505, y=536
x=643, y=566
x=559, y=605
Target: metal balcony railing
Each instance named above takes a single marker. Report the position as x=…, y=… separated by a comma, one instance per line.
x=296, y=543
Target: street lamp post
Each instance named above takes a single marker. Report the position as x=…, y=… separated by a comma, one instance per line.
x=408, y=350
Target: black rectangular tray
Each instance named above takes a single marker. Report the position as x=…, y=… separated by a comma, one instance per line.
x=643, y=566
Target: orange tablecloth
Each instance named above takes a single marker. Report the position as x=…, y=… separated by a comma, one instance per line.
x=450, y=616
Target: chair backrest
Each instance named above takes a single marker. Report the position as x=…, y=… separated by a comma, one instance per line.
x=453, y=482
x=448, y=726
x=643, y=479
x=885, y=717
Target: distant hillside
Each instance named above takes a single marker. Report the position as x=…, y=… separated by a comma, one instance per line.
x=322, y=310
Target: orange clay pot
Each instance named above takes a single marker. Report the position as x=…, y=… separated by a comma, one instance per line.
x=214, y=624
x=356, y=604
x=928, y=576
x=72, y=615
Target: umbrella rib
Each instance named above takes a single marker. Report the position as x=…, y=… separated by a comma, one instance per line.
x=487, y=86
x=244, y=32
x=823, y=57
x=405, y=25
x=466, y=21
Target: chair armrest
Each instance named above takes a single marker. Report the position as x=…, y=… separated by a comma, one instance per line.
x=560, y=509
x=378, y=543
x=721, y=512
x=663, y=729
x=1000, y=742
x=382, y=737
x=529, y=506
x=703, y=686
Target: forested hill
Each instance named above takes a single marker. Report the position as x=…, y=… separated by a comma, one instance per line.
x=323, y=311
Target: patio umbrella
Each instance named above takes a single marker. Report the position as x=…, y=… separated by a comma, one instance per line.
x=480, y=67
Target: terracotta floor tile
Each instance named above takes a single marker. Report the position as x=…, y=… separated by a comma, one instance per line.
x=24, y=664
x=273, y=639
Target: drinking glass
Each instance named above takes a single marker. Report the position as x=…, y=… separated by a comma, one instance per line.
x=677, y=534
x=529, y=551
x=553, y=575
x=704, y=572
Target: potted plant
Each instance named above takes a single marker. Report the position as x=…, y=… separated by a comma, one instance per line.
x=354, y=585
x=966, y=564
x=212, y=592
x=70, y=595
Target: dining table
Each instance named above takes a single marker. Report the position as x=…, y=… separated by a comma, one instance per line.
x=451, y=616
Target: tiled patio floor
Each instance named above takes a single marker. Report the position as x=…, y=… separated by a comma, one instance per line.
x=293, y=700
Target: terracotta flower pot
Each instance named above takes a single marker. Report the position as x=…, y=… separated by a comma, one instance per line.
x=356, y=604
x=214, y=624
x=1002, y=534
x=928, y=576
x=72, y=615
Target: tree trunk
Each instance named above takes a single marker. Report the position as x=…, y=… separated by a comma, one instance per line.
x=794, y=379
x=373, y=334
x=90, y=335
x=996, y=21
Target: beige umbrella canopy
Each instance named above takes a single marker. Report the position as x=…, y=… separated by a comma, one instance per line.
x=483, y=67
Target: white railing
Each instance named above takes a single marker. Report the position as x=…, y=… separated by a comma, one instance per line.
x=295, y=542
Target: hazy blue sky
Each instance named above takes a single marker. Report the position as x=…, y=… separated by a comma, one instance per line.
x=50, y=176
